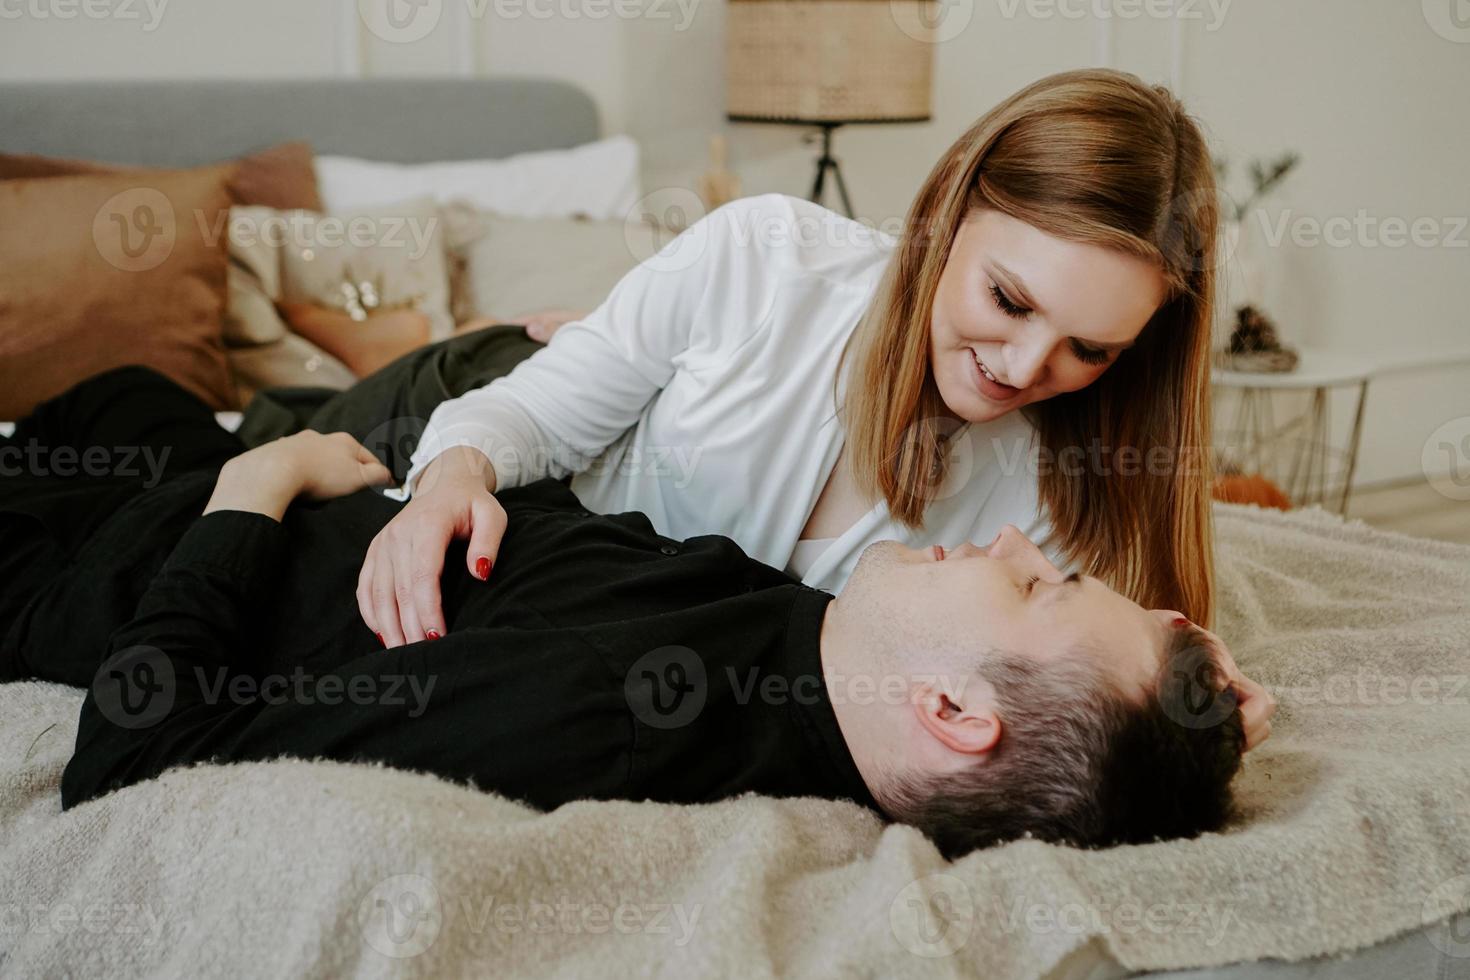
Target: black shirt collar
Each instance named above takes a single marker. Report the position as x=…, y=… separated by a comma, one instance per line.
x=814, y=715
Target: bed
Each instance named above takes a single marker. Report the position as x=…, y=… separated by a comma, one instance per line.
x=1351, y=856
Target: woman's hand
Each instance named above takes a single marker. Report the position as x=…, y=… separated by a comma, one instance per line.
x=543, y=325
x=266, y=479
x=539, y=325
x=398, y=587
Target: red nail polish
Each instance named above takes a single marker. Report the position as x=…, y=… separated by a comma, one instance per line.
x=432, y=634
x=482, y=567
x=1181, y=621
x=380, y=639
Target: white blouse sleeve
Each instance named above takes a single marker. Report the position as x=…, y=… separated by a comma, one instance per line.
x=567, y=402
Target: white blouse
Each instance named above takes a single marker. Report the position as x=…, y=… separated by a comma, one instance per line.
x=701, y=392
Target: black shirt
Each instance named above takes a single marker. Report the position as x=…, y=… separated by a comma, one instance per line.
x=601, y=661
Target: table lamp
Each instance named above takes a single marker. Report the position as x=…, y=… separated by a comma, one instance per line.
x=826, y=63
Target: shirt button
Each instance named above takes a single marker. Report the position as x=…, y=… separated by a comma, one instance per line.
x=669, y=549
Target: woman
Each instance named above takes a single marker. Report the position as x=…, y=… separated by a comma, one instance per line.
x=1031, y=351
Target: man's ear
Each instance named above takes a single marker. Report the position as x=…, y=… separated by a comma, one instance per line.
x=970, y=730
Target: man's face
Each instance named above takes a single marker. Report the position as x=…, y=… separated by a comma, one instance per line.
x=949, y=607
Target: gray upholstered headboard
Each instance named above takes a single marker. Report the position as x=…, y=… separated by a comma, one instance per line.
x=177, y=123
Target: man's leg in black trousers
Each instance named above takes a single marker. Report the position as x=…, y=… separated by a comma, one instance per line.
x=66, y=469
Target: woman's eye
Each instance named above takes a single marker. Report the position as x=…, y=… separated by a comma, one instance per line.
x=1003, y=302
x=1088, y=355
x=1031, y=583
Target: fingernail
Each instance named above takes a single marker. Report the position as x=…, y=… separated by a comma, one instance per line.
x=432, y=634
x=1180, y=621
x=482, y=567
x=380, y=639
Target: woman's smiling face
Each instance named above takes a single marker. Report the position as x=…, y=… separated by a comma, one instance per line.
x=1021, y=316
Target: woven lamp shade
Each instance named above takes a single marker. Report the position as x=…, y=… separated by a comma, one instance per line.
x=829, y=61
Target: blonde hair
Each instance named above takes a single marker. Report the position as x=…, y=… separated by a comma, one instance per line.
x=1101, y=158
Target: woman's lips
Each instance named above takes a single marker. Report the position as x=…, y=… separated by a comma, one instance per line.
x=989, y=387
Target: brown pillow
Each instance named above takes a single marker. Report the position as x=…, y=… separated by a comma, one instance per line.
x=104, y=270
x=282, y=176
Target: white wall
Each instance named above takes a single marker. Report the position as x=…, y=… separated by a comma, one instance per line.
x=1369, y=93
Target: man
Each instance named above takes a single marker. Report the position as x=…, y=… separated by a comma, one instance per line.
x=978, y=693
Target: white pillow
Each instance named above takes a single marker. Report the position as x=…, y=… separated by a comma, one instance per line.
x=515, y=265
x=597, y=179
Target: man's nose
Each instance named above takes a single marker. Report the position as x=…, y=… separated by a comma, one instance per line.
x=1016, y=549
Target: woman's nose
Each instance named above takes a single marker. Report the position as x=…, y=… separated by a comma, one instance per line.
x=1026, y=359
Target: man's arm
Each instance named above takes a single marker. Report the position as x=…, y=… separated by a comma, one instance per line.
x=174, y=687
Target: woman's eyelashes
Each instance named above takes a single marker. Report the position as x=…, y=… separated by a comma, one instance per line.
x=1088, y=355
x=1005, y=304
x=1083, y=353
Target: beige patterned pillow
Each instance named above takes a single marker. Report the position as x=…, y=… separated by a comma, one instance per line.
x=396, y=250
x=299, y=255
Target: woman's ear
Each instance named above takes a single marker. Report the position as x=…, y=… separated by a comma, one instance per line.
x=972, y=731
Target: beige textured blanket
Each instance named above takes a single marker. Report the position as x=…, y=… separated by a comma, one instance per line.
x=1355, y=827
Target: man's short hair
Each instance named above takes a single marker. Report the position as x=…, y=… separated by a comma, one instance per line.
x=1079, y=762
